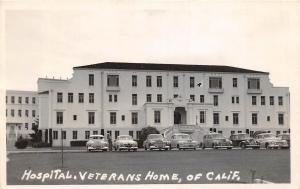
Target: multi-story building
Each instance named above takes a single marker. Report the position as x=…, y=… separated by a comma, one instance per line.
x=123, y=98
x=21, y=113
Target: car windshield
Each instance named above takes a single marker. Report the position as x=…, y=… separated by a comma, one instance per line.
x=125, y=138
x=285, y=137
x=183, y=137
x=155, y=136
x=97, y=137
x=244, y=136
x=269, y=136
x=219, y=135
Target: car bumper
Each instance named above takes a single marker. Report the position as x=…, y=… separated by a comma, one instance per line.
x=223, y=146
x=97, y=148
x=252, y=146
x=159, y=147
x=128, y=147
x=187, y=146
x=284, y=146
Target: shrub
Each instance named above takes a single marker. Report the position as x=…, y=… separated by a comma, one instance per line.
x=78, y=142
x=40, y=144
x=144, y=133
x=21, y=143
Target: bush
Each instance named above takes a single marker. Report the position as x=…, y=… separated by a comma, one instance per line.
x=78, y=142
x=144, y=133
x=21, y=143
x=40, y=144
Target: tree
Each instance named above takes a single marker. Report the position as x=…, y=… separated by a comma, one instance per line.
x=37, y=135
x=146, y=131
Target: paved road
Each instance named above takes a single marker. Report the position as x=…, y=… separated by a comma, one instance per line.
x=148, y=167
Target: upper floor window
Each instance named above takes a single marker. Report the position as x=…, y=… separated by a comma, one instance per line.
x=80, y=97
x=115, y=98
x=215, y=82
x=192, y=97
x=159, y=81
x=12, y=99
x=134, y=80
x=156, y=116
x=91, y=97
x=12, y=113
x=33, y=113
x=235, y=118
x=20, y=113
x=91, y=79
x=33, y=100
x=263, y=100
x=216, y=118
x=148, y=81
x=159, y=97
x=134, y=118
x=192, y=82
x=201, y=98
x=74, y=134
x=87, y=134
x=55, y=135
x=26, y=100
x=202, y=116
x=20, y=100
x=59, y=97
x=91, y=116
x=271, y=100
x=149, y=97
x=254, y=118
x=113, y=117
x=216, y=100
x=134, y=99
x=280, y=100
x=113, y=80
x=70, y=97
x=175, y=81
x=26, y=113
x=234, y=82
x=59, y=118
x=253, y=100
x=280, y=119
x=253, y=83
x=175, y=95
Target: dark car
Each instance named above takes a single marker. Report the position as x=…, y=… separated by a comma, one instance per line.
x=243, y=140
x=215, y=141
x=285, y=136
x=156, y=141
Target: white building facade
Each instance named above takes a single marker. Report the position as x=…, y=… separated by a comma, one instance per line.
x=123, y=98
x=21, y=113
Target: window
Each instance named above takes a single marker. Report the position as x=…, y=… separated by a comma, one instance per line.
x=280, y=119
x=26, y=100
x=70, y=97
x=80, y=97
x=59, y=97
x=55, y=135
x=59, y=118
x=192, y=82
x=91, y=117
x=192, y=97
x=253, y=100
x=253, y=83
x=216, y=103
x=226, y=118
x=95, y=132
x=202, y=117
x=33, y=113
x=148, y=81
x=110, y=98
x=134, y=118
x=115, y=98
x=159, y=97
x=232, y=132
x=201, y=98
x=138, y=134
x=268, y=118
x=33, y=100
x=232, y=99
x=12, y=99
x=215, y=82
x=113, y=80
x=254, y=118
x=237, y=99
x=20, y=100
x=32, y=125
x=271, y=100
x=26, y=113
x=91, y=79
x=134, y=80
x=87, y=134
x=6, y=99
x=148, y=97
x=20, y=113
x=216, y=118
x=130, y=133
x=26, y=126
x=159, y=81
x=263, y=100
x=175, y=95
x=64, y=134
x=74, y=134
x=235, y=118
x=123, y=117
x=117, y=133
x=91, y=97
x=74, y=117
x=113, y=117
x=134, y=99
x=280, y=100
x=12, y=113
x=234, y=82
x=175, y=81
x=156, y=116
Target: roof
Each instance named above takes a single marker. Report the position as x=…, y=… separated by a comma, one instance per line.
x=167, y=67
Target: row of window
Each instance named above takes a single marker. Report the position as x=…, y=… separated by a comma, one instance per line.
x=88, y=133
x=20, y=100
x=247, y=131
x=26, y=126
x=12, y=113
x=214, y=82
x=59, y=97
x=263, y=100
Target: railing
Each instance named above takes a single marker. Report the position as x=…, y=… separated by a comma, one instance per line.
x=254, y=91
x=113, y=88
x=215, y=90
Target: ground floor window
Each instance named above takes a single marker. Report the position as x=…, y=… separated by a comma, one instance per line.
x=113, y=117
x=74, y=134
x=254, y=118
x=235, y=118
x=280, y=119
x=232, y=132
x=64, y=135
x=157, y=116
x=216, y=118
x=117, y=133
x=95, y=132
x=138, y=135
x=130, y=133
x=91, y=117
x=202, y=116
x=87, y=134
x=55, y=135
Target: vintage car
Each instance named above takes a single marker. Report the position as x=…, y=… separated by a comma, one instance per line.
x=125, y=142
x=183, y=141
x=96, y=142
x=243, y=140
x=215, y=141
x=156, y=141
x=269, y=140
x=285, y=136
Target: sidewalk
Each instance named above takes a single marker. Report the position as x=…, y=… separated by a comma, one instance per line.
x=46, y=150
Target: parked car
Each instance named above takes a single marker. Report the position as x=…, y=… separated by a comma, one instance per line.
x=285, y=136
x=243, y=140
x=216, y=140
x=269, y=140
x=156, y=141
x=183, y=141
x=96, y=142
x=125, y=142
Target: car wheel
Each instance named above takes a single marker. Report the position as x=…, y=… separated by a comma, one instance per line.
x=243, y=145
x=88, y=150
x=145, y=148
x=229, y=148
x=194, y=148
x=203, y=146
x=267, y=146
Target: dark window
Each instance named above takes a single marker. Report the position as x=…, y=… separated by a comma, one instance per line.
x=134, y=99
x=280, y=100
x=115, y=98
x=74, y=117
x=123, y=117
x=138, y=134
x=268, y=118
x=202, y=116
x=134, y=118
x=175, y=81
x=91, y=117
x=117, y=133
x=26, y=126
x=64, y=135
x=280, y=119
x=263, y=100
x=110, y=98
x=12, y=113
x=159, y=81
x=112, y=80
x=235, y=118
x=113, y=117
x=253, y=100
x=20, y=113
x=33, y=100
x=95, y=132
x=175, y=95
x=254, y=118
x=216, y=118
x=215, y=82
x=148, y=97
x=87, y=134
x=201, y=98
x=26, y=113
x=55, y=135
x=59, y=118
x=81, y=98
x=74, y=135
x=130, y=133
x=70, y=97
x=134, y=80
x=59, y=97
x=192, y=82
x=271, y=100
x=232, y=99
x=26, y=100
x=12, y=99
x=234, y=82
x=159, y=97
x=226, y=118
x=232, y=132
x=253, y=83
x=91, y=97
x=20, y=100
x=192, y=97
x=156, y=116
x=33, y=113
x=148, y=81
x=237, y=100
x=216, y=100
x=91, y=79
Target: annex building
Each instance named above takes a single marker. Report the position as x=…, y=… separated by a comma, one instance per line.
x=122, y=98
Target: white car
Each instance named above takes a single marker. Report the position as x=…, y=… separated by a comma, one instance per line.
x=125, y=142
x=97, y=142
x=183, y=141
x=269, y=140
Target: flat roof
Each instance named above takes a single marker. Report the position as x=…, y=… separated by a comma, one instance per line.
x=167, y=67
